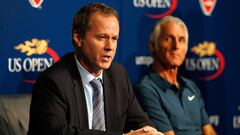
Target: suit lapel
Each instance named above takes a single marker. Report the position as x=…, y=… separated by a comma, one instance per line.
x=79, y=95
x=108, y=98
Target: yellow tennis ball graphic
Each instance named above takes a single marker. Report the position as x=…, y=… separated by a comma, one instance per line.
x=41, y=46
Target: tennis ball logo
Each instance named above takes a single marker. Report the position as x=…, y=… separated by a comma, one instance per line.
x=41, y=47
x=204, y=49
x=35, y=46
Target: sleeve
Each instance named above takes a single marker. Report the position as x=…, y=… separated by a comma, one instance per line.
x=204, y=115
x=48, y=112
x=136, y=117
x=152, y=104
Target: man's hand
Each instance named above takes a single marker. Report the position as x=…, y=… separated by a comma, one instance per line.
x=208, y=130
x=147, y=130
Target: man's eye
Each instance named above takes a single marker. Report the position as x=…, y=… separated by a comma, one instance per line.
x=167, y=38
x=101, y=37
x=114, y=38
x=182, y=40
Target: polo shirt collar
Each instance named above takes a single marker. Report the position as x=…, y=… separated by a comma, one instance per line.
x=161, y=82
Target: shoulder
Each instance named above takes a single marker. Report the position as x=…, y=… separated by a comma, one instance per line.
x=60, y=69
x=114, y=67
x=145, y=81
x=146, y=86
x=148, y=82
x=116, y=70
x=59, y=78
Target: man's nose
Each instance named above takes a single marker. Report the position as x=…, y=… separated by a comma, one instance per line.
x=175, y=43
x=109, y=44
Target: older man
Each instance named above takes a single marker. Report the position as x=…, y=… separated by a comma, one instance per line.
x=173, y=103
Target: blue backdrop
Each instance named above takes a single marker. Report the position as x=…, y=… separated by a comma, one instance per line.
x=34, y=34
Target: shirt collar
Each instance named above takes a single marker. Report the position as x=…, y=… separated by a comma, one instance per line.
x=161, y=82
x=85, y=75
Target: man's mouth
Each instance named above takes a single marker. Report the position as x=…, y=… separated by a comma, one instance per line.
x=107, y=58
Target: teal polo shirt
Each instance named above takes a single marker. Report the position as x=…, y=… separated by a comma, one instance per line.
x=181, y=110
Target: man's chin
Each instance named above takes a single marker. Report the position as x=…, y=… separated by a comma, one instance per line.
x=105, y=66
x=176, y=62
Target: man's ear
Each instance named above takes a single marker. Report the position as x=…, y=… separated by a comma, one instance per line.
x=151, y=47
x=77, y=39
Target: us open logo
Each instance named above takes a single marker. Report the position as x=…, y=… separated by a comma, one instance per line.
x=166, y=7
x=36, y=3
x=38, y=57
x=207, y=6
x=206, y=61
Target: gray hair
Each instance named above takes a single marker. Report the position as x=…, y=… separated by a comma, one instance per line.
x=157, y=28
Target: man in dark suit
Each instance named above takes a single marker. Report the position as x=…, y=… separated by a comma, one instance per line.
x=68, y=99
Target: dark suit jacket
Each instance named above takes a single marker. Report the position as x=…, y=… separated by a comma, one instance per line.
x=58, y=104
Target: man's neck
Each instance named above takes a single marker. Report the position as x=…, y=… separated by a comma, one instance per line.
x=94, y=72
x=169, y=74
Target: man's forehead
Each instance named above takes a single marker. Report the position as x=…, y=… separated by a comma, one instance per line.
x=100, y=14
x=97, y=16
x=171, y=28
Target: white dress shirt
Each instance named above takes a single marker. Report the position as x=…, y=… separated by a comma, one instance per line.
x=88, y=90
